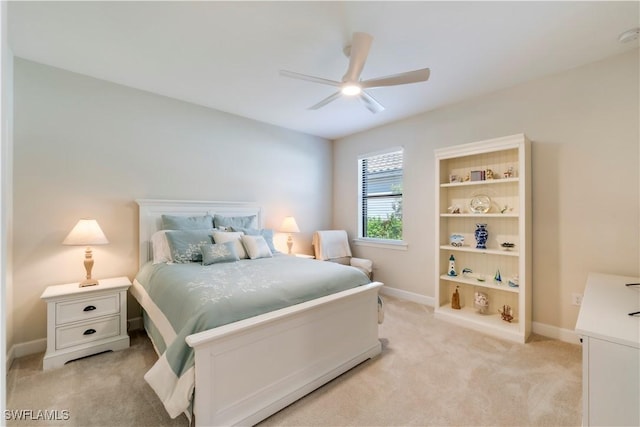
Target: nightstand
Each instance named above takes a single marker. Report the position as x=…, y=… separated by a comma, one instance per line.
x=85, y=321
x=305, y=256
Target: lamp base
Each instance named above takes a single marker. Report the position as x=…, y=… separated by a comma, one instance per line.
x=289, y=244
x=88, y=282
x=88, y=265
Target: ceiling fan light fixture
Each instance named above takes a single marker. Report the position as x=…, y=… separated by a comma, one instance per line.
x=351, y=89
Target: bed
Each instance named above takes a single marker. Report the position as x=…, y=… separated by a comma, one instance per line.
x=252, y=367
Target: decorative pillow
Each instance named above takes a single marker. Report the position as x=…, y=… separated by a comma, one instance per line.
x=256, y=247
x=265, y=232
x=185, y=244
x=229, y=236
x=219, y=252
x=177, y=222
x=160, y=247
x=250, y=221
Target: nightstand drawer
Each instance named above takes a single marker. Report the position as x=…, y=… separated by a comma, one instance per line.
x=69, y=336
x=87, y=308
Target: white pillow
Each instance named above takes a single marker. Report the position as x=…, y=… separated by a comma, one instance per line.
x=231, y=236
x=256, y=246
x=160, y=247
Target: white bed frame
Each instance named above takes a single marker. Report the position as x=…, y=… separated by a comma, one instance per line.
x=248, y=370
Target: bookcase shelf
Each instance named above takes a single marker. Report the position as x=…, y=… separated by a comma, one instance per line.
x=483, y=182
x=474, y=282
x=479, y=251
x=479, y=216
x=507, y=220
x=469, y=318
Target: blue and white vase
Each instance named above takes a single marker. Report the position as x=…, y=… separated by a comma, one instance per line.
x=481, y=235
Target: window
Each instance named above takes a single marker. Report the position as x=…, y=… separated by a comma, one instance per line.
x=380, y=195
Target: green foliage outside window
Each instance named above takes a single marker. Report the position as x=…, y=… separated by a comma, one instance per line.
x=391, y=226
x=388, y=228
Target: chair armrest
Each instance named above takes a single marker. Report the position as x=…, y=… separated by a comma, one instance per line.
x=364, y=264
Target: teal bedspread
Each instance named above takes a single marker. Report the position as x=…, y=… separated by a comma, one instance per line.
x=193, y=298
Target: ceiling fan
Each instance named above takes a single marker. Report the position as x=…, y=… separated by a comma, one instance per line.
x=351, y=85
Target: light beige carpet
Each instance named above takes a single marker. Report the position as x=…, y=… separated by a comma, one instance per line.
x=429, y=373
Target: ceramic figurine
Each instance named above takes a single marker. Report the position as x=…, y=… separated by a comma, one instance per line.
x=452, y=266
x=489, y=174
x=455, y=300
x=481, y=302
x=509, y=172
x=467, y=271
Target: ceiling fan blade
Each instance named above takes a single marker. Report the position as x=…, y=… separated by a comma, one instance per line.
x=360, y=46
x=399, y=79
x=299, y=76
x=371, y=104
x=325, y=101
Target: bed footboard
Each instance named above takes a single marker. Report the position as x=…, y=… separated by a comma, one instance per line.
x=248, y=370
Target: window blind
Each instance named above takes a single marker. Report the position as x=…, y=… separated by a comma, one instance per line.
x=381, y=178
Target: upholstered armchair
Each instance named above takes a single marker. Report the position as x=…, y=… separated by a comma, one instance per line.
x=333, y=245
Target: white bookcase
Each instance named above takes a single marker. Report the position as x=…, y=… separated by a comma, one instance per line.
x=463, y=173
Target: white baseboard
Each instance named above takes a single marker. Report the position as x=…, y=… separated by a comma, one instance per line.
x=555, y=332
x=543, y=329
x=29, y=347
x=25, y=349
x=409, y=296
x=10, y=357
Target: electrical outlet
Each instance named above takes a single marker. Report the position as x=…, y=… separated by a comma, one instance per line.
x=576, y=299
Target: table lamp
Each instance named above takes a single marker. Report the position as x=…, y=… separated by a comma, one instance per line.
x=87, y=232
x=289, y=225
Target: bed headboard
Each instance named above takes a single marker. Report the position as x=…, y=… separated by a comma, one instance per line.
x=151, y=210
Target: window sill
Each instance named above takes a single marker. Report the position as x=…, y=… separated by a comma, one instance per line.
x=398, y=245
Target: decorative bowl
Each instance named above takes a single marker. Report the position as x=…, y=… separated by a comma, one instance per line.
x=480, y=204
x=456, y=240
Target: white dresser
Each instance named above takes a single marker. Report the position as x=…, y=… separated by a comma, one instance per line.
x=610, y=351
x=85, y=321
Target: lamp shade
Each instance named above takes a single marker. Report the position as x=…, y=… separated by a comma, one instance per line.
x=87, y=232
x=289, y=225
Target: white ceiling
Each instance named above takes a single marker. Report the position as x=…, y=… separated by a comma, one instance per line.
x=226, y=55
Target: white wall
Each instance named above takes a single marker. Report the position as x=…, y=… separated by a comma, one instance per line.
x=6, y=118
x=85, y=147
x=584, y=124
x=89, y=148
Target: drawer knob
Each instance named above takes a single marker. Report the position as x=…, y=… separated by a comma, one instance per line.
x=89, y=332
x=90, y=308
